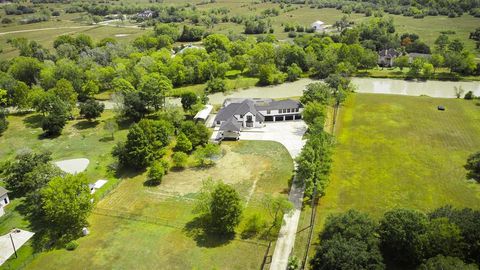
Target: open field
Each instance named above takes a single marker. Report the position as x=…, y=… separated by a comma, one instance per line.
x=155, y=225
x=398, y=151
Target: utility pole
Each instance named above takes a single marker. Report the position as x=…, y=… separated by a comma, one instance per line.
x=13, y=245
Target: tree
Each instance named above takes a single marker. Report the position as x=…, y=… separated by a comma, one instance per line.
x=89, y=89
x=269, y=74
x=456, y=45
x=65, y=205
x=16, y=171
x=180, y=160
x=133, y=106
x=91, y=109
x=111, y=126
x=197, y=133
x=216, y=42
x=401, y=233
x=21, y=96
x=427, y=70
x=188, y=99
x=401, y=62
x=56, y=113
x=312, y=111
x=441, y=262
x=441, y=43
x=65, y=91
x=183, y=143
x=349, y=241
x=146, y=142
x=204, y=154
x=293, y=72
x=459, y=91
x=215, y=85
x=473, y=166
x=443, y=237
x=3, y=121
x=225, y=209
x=319, y=92
x=156, y=173
x=25, y=69
x=276, y=207
x=437, y=61
x=153, y=89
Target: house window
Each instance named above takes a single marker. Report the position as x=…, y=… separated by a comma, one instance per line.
x=288, y=110
x=268, y=111
x=5, y=200
x=218, y=122
x=240, y=117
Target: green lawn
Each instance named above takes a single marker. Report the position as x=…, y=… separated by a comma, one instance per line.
x=153, y=226
x=398, y=151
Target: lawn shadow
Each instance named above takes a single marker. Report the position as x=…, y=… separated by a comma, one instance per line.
x=85, y=124
x=197, y=229
x=151, y=183
x=33, y=121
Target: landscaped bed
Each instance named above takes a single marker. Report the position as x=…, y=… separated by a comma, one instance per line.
x=137, y=224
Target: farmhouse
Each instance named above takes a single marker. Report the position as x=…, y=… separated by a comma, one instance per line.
x=386, y=57
x=237, y=114
x=318, y=26
x=4, y=200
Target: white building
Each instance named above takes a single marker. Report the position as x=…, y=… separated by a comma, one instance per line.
x=4, y=200
x=318, y=26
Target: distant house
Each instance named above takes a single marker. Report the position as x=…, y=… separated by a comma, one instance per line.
x=237, y=114
x=4, y=200
x=413, y=56
x=318, y=26
x=387, y=56
x=146, y=14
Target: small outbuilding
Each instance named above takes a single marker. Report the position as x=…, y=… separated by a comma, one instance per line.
x=204, y=113
x=4, y=200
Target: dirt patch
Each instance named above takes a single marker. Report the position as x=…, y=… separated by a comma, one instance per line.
x=73, y=166
x=233, y=168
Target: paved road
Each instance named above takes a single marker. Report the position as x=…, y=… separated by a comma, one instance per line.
x=289, y=134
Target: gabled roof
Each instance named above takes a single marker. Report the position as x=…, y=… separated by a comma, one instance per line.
x=227, y=112
x=388, y=53
x=230, y=125
x=3, y=191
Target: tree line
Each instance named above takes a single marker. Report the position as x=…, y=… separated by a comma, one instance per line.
x=445, y=238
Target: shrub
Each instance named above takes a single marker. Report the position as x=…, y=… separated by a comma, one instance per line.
x=180, y=160
x=216, y=85
x=156, y=173
x=183, y=143
x=72, y=245
x=3, y=122
x=469, y=95
x=253, y=225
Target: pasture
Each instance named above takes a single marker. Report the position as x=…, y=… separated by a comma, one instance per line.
x=155, y=226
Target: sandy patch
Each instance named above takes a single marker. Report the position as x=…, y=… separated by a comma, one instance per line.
x=73, y=166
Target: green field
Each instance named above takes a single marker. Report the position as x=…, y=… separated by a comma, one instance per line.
x=155, y=225
x=427, y=28
x=398, y=151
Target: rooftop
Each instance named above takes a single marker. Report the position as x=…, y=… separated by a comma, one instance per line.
x=3, y=191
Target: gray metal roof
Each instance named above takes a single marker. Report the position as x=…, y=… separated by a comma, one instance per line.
x=3, y=191
x=232, y=109
x=280, y=104
x=230, y=125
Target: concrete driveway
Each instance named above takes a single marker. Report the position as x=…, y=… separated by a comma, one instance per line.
x=288, y=133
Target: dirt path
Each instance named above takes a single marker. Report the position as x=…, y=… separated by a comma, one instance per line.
x=46, y=29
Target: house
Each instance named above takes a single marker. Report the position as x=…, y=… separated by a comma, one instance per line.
x=413, y=56
x=146, y=14
x=318, y=26
x=238, y=114
x=4, y=200
x=386, y=57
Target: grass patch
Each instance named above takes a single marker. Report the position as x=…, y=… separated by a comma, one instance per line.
x=155, y=225
x=399, y=151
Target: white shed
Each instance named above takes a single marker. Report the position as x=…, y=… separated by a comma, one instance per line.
x=204, y=113
x=318, y=25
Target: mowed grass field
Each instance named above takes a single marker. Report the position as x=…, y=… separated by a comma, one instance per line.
x=399, y=152
x=142, y=227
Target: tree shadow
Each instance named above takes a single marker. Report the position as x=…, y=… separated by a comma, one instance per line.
x=85, y=124
x=151, y=183
x=197, y=229
x=106, y=139
x=33, y=121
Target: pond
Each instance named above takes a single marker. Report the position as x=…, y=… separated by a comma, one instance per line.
x=441, y=89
